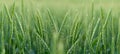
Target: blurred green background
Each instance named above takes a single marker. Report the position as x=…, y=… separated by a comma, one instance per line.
x=61, y=4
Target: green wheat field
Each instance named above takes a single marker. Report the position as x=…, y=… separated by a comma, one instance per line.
x=59, y=27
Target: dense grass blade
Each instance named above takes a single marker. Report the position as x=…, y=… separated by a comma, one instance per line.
x=95, y=28
x=113, y=38
x=19, y=22
x=103, y=31
x=43, y=41
x=74, y=27
x=52, y=20
x=2, y=46
x=10, y=25
x=118, y=38
x=63, y=21
x=73, y=45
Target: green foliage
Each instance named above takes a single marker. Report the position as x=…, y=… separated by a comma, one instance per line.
x=50, y=30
